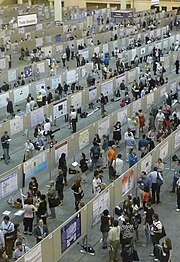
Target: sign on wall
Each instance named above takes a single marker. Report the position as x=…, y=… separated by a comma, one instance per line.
x=26, y=20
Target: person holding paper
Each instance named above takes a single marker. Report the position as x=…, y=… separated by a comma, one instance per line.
x=5, y=139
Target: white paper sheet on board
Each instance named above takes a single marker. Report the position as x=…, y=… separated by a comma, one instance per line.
x=136, y=106
x=3, y=101
x=12, y=75
x=2, y=63
x=107, y=88
x=8, y=184
x=104, y=127
x=60, y=109
x=105, y=48
x=84, y=139
x=55, y=81
x=164, y=151
x=41, y=67
x=35, y=255
x=101, y=203
x=131, y=75
x=21, y=93
x=92, y=94
x=76, y=100
x=177, y=139
x=59, y=149
x=71, y=77
x=146, y=164
x=37, y=117
x=16, y=125
x=150, y=99
x=122, y=115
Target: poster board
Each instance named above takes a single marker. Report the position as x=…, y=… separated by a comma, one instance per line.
x=12, y=75
x=131, y=75
x=84, y=139
x=136, y=106
x=76, y=100
x=3, y=101
x=59, y=149
x=101, y=203
x=34, y=255
x=41, y=67
x=128, y=180
x=71, y=77
x=150, y=99
x=104, y=127
x=60, y=109
x=8, y=184
x=146, y=163
x=55, y=81
x=39, y=84
x=37, y=117
x=177, y=140
x=163, y=151
x=16, y=125
x=35, y=165
x=92, y=94
x=20, y=94
x=107, y=88
x=122, y=115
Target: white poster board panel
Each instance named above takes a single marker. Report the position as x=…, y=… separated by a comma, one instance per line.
x=71, y=76
x=41, y=67
x=122, y=115
x=165, y=43
x=55, y=81
x=60, y=109
x=59, y=149
x=92, y=94
x=177, y=140
x=96, y=49
x=20, y=94
x=84, y=139
x=131, y=75
x=39, y=84
x=104, y=127
x=8, y=184
x=136, y=106
x=146, y=164
x=150, y=99
x=105, y=48
x=12, y=75
x=101, y=203
x=173, y=87
x=163, y=153
x=16, y=125
x=37, y=117
x=3, y=101
x=76, y=100
x=107, y=88
x=162, y=91
x=35, y=255
x=2, y=63
x=39, y=42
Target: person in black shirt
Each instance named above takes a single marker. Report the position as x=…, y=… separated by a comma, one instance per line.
x=5, y=145
x=63, y=166
x=9, y=108
x=149, y=212
x=103, y=102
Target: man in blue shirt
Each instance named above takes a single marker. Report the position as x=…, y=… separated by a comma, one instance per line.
x=155, y=187
x=144, y=181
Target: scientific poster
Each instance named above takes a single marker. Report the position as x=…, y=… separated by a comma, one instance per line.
x=104, y=127
x=101, y=203
x=136, y=106
x=35, y=165
x=158, y=45
x=55, y=81
x=16, y=125
x=150, y=99
x=173, y=87
x=59, y=149
x=84, y=53
x=39, y=84
x=96, y=49
x=131, y=75
x=76, y=100
x=122, y=115
x=143, y=50
x=3, y=101
x=34, y=255
x=83, y=71
x=177, y=139
x=39, y=42
x=165, y=43
x=146, y=163
x=128, y=181
x=119, y=79
x=92, y=94
x=11, y=75
x=2, y=63
x=37, y=117
x=105, y=48
x=162, y=90
x=163, y=151
x=107, y=88
x=83, y=139
x=71, y=77
x=60, y=109
x=41, y=67
x=133, y=53
x=8, y=184
x=47, y=50
x=21, y=93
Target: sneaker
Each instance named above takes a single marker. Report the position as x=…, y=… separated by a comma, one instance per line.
x=152, y=255
x=156, y=259
x=177, y=209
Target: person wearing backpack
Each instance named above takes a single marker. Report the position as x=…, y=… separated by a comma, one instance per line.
x=94, y=154
x=156, y=231
x=127, y=231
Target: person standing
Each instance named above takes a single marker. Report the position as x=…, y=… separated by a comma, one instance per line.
x=63, y=166
x=155, y=187
x=176, y=176
x=2, y=241
x=73, y=116
x=51, y=194
x=94, y=154
x=114, y=241
x=103, y=102
x=40, y=231
x=5, y=139
x=156, y=230
x=129, y=144
x=83, y=166
x=9, y=108
x=166, y=254
x=44, y=95
x=148, y=213
x=29, y=148
x=29, y=210
x=7, y=228
x=118, y=165
x=64, y=57
x=60, y=186
x=78, y=192
x=42, y=209
x=177, y=66
x=20, y=250
x=105, y=226
x=68, y=53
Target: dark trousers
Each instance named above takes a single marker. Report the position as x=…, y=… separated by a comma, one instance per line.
x=44, y=100
x=74, y=125
x=64, y=62
x=28, y=224
x=178, y=200
x=155, y=193
x=175, y=179
x=155, y=241
x=177, y=70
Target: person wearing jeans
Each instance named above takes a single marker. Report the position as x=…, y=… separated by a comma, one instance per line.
x=104, y=228
x=5, y=145
x=155, y=187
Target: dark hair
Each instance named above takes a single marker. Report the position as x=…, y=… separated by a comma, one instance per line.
x=63, y=155
x=34, y=178
x=83, y=155
x=16, y=226
x=106, y=212
x=119, y=156
x=18, y=243
x=156, y=216
x=155, y=168
x=116, y=223
x=6, y=218
x=43, y=197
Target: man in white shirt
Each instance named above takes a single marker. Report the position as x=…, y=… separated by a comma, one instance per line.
x=114, y=241
x=7, y=228
x=118, y=165
x=155, y=231
x=44, y=95
x=96, y=184
x=128, y=132
x=73, y=116
x=159, y=119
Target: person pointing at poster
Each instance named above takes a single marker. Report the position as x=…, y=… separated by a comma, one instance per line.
x=5, y=139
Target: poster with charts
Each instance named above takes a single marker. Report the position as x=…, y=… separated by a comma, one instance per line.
x=3, y=101
x=128, y=180
x=146, y=163
x=177, y=139
x=12, y=75
x=35, y=165
x=41, y=67
x=60, y=109
x=71, y=76
x=37, y=116
x=136, y=106
x=55, y=81
x=20, y=94
x=150, y=99
x=104, y=127
x=101, y=203
x=34, y=255
x=8, y=184
x=83, y=139
x=39, y=84
x=107, y=88
x=16, y=125
x=122, y=115
x=163, y=151
x=92, y=94
x=76, y=100
x=59, y=149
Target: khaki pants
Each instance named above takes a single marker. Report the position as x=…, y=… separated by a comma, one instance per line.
x=114, y=253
